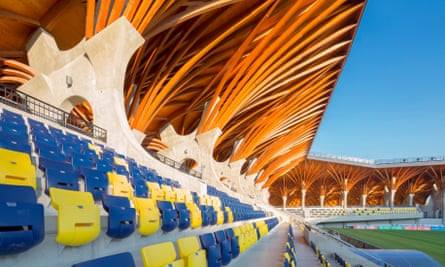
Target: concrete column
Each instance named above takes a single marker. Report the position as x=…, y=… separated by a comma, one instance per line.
x=284, y=202
x=322, y=197
x=391, y=200
x=411, y=199
x=206, y=142
x=345, y=199
x=303, y=198
x=363, y=200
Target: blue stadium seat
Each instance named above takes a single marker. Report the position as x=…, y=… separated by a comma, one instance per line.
x=226, y=247
x=183, y=215
x=168, y=215
x=121, y=216
x=61, y=178
x=21, y=220
x=140, y=188
x=96, y=182
x=234, y=242
x=213, y=249
x=15, y=142
x=206, y=215
x=117, y=260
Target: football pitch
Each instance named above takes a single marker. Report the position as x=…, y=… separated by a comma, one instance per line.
x=430, y=242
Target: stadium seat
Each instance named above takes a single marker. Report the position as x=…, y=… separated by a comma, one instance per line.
x=120, y=185
x=121, y=216
x=183, y=215
x=161, y=255
x=15, y=142
x=78, y=221
x=149, y=215
x=117, y=260
x=156, y=192
x=234, y=242
x=195, y=214
x=21, y=220
x=140, y=188
x=226, y=247
x=190, y=251
x=169, y=215
x=95, y=182
x=213, y=249
x=61, y=178
x=16, y=168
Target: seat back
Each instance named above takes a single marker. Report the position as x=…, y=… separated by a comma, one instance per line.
x=121, y=216
x=78, y=221
x=234, y=242
x=168, y=214
x=120, y=185
x=160, y=255
x=21, y=221
x=149, y=215
x=213, y=249
x=121, y=259
x=16, y=168
x=184, y=215
x=95, y=182
x=190, y=251
x=60, y=178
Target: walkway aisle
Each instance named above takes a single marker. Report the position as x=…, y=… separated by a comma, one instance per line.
x=305, y=255
x=267, y=252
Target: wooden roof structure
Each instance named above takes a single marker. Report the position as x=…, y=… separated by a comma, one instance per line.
x=330, y=179
x=262, y=71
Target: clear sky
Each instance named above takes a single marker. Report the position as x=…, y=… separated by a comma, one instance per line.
x=390, y=99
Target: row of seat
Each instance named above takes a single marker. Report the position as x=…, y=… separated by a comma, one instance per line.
x=78, y=216
x=290, y=255
x=213, y=249
x=341, y=261
x=323, y=260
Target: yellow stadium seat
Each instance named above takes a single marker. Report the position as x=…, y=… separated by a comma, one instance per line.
x=155, y=190
x=78, y=221
x=149, y=215
x=161, y=255
x=121, y=162
x=168, y=193
x=229, y=214
x=190, y=251
x=180, y=195
x=120, y=185
x=16, y=168
x=195, y=214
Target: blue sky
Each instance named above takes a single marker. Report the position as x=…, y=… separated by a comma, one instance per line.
x=390, y=99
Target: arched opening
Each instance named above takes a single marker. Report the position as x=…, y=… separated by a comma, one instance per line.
x=189, y=163
x=80, y=112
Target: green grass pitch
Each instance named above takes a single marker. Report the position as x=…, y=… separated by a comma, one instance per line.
x=432, y=243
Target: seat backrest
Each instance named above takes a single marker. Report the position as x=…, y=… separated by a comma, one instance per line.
x=121, y=216
x=207, y=240
x=188, y=245
x=59, y=178
x=95, y=182
x=121, y=259
x=220, y=236
x=121, y=186
x=149, y=215
x=159, y=255
x=78, y=221
x=16, y=168
x=22, y=219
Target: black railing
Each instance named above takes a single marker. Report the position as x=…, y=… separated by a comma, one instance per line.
x=172, y=163
x=17, y=99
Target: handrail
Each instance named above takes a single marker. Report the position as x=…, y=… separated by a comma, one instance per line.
x=17, y=99
x=172, y=163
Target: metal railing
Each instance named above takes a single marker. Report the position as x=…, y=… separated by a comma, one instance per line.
x=172, y=163
x=17, y=99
